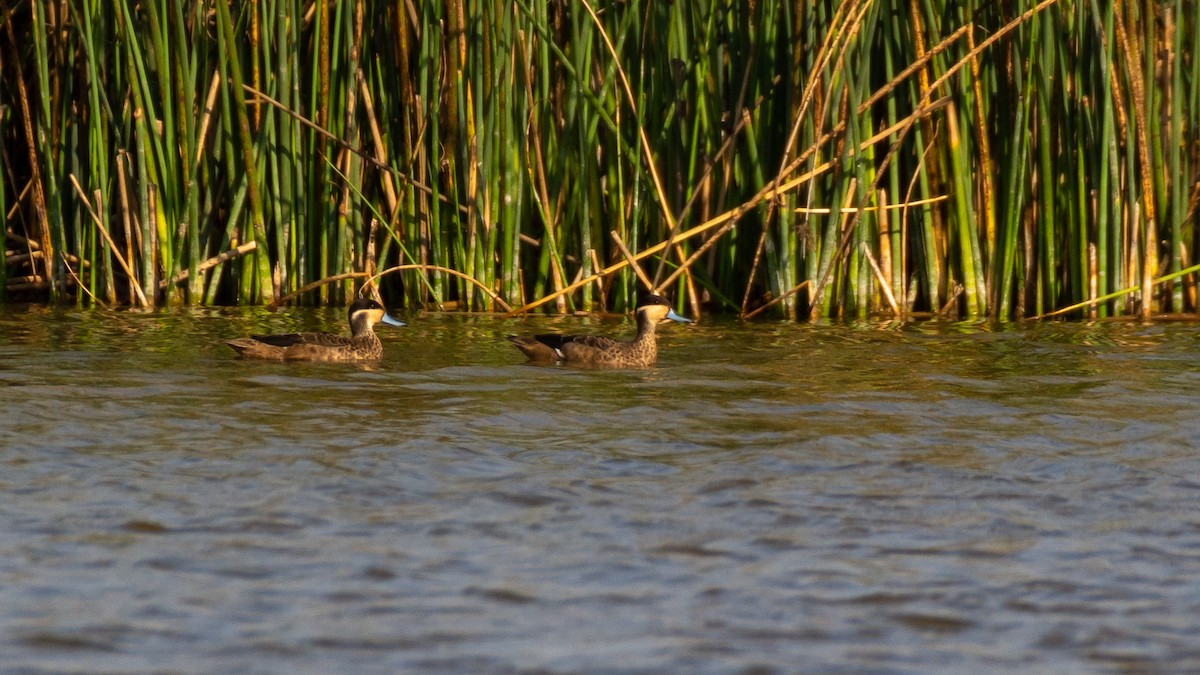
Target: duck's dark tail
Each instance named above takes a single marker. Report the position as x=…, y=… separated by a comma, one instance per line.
x=534, y=348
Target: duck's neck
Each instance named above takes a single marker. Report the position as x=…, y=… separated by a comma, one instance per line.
x=361, y=327
x=646, y=327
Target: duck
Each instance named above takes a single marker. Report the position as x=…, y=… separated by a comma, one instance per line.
x=362, y=345
x=604, y=352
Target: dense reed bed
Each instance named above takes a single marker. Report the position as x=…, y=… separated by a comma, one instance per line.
x=809, y=159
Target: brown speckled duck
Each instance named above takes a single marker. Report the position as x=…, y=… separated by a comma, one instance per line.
x=598, y=351
x=362, y=345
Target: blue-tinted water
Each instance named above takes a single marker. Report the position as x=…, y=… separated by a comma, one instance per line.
x=769, y=498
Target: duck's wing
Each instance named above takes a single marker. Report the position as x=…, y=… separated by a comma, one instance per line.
x=551, y=346
x=312, y=339
x=597, y=342
x=584, y=349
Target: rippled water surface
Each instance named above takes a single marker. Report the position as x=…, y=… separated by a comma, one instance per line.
x=769, y=498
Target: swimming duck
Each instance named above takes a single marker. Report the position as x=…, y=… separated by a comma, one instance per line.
x=362, y=345
x=595, y=350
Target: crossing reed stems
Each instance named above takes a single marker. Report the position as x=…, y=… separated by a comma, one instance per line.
x=1040, y=155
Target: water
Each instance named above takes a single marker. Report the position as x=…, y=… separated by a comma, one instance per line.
x=769, y=498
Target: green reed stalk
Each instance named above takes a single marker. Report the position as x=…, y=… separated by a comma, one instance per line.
x=233, y=72
x=1193, y=109
x=189, y=92
x=1044, y=59
x=858, y=275
x=142, y=181
x=1177, y=197
x=3, y=254
x=783, y=252
x=1082, y=251
x=1013, y=180
x=41, y=150
x=428, y=115
x=966, y=232
x=895, y=239
x=1108, y=236
x=165, y=168
x=101, y=281
x=319, y=176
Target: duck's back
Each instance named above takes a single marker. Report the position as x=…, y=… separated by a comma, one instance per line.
x=314, y=339
x=597, y=350
x=580, y=342
x=309, y=347
x=555, y=347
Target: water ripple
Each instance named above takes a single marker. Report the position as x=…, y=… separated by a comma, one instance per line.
x=931, y=497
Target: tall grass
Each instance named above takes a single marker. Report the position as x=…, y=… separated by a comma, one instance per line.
x=829, y=159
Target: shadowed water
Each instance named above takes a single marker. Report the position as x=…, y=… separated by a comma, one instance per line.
x=769, y=498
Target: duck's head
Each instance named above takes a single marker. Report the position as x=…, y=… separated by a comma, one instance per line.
x=366, y=312
x=655, y=308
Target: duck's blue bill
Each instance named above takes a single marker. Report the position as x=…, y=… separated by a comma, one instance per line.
x=389, y=320
x=675, y=317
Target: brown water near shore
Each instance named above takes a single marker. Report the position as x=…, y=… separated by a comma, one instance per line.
x=770, y=497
